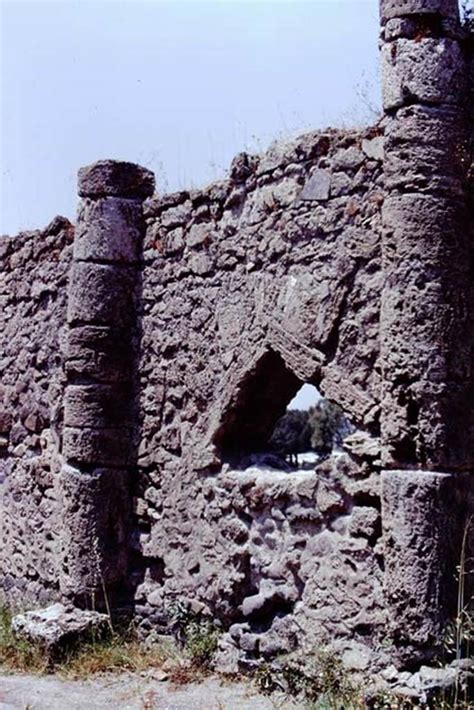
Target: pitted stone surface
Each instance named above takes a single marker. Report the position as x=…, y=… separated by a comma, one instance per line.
x=400, y=8
x=109, y=229
x=115, y=178
x=101, y=294
x=95, y=509
x=33, y=288
x=100, y=406
x=419, y=521
x=58, y=625
x=428, y=71
x=98, y=354
x=339, y=258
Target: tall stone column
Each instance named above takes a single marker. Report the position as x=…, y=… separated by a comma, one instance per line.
x=99, y=436
x=426, y=317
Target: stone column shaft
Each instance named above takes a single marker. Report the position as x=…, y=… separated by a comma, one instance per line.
x=99, y=418
x=426, y=421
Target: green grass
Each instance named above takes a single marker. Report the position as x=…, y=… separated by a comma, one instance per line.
x=17, y=654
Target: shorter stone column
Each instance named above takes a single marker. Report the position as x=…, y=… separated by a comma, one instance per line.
x=99, y=437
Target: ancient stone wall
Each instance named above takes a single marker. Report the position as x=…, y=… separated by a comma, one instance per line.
x=251, y=288
x=181, y=327
x=33, y=288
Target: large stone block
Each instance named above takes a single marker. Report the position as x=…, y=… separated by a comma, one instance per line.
x=106, y=447
x=101, y=294
x=100, y=406
x=425, y=150
x=108, y=229
x=401, y=8
x=101, y=354
x=422, y=521
x=116, y=178
x=428, y=71
x=424, y=235
x=58, y=626
x=96, y=513
x=317, y=187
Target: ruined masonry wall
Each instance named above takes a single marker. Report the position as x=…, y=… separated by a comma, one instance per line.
x=284, y=257
x=33, y=281
x=341, y=259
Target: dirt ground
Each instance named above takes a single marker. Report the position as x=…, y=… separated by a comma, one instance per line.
x=131, y=692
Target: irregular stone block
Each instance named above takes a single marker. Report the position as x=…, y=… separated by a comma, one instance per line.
x=96, y=510
x=56, y=627
x=102, y=354
x=100, y=406
x=101, y=294
x=108, y=447
x=400, y=27
x=364, y=521
x=363, y=446
x=108, y=229
x=5, y=422
x=420, y=518
x=429, y=71
x=116, y=178
x=374, y=147
x=347, y=159
x=317, y=187
x=399, y=8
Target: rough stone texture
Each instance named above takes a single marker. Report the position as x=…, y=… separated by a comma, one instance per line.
x=109, y=230
x=428, y=71
x=58, y=626
x=116, y=178
x=101, y=294
x=97, y=506
x=33, y=288
x=341, y=259
x=426, y=311
x=420, y=531
x=100, y=362
x=426, y=320
x=91, y=445
x=289, y=295
x=98, y=354
x=400, y=8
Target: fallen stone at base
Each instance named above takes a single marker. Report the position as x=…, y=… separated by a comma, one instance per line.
x=58, y=625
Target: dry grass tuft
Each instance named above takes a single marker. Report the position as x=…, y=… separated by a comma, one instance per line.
x=16, y=654
x=116, y=652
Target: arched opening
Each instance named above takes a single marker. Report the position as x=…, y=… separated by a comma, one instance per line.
x=276, y=420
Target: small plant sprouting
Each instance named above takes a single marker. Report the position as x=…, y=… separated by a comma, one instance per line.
x=197, y=636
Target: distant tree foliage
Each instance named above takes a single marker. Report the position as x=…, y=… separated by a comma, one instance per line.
x=320, y=428
x=292, y=433
x=328, y=426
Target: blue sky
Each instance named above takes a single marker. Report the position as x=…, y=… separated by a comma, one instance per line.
x=177, y=86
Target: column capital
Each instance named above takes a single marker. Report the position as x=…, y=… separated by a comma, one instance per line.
x=115, y=178
x=390, y=9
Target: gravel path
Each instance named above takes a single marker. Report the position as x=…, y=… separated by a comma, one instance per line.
x=130, y=692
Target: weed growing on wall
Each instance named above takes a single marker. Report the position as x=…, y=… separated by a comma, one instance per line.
x=196, y=635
